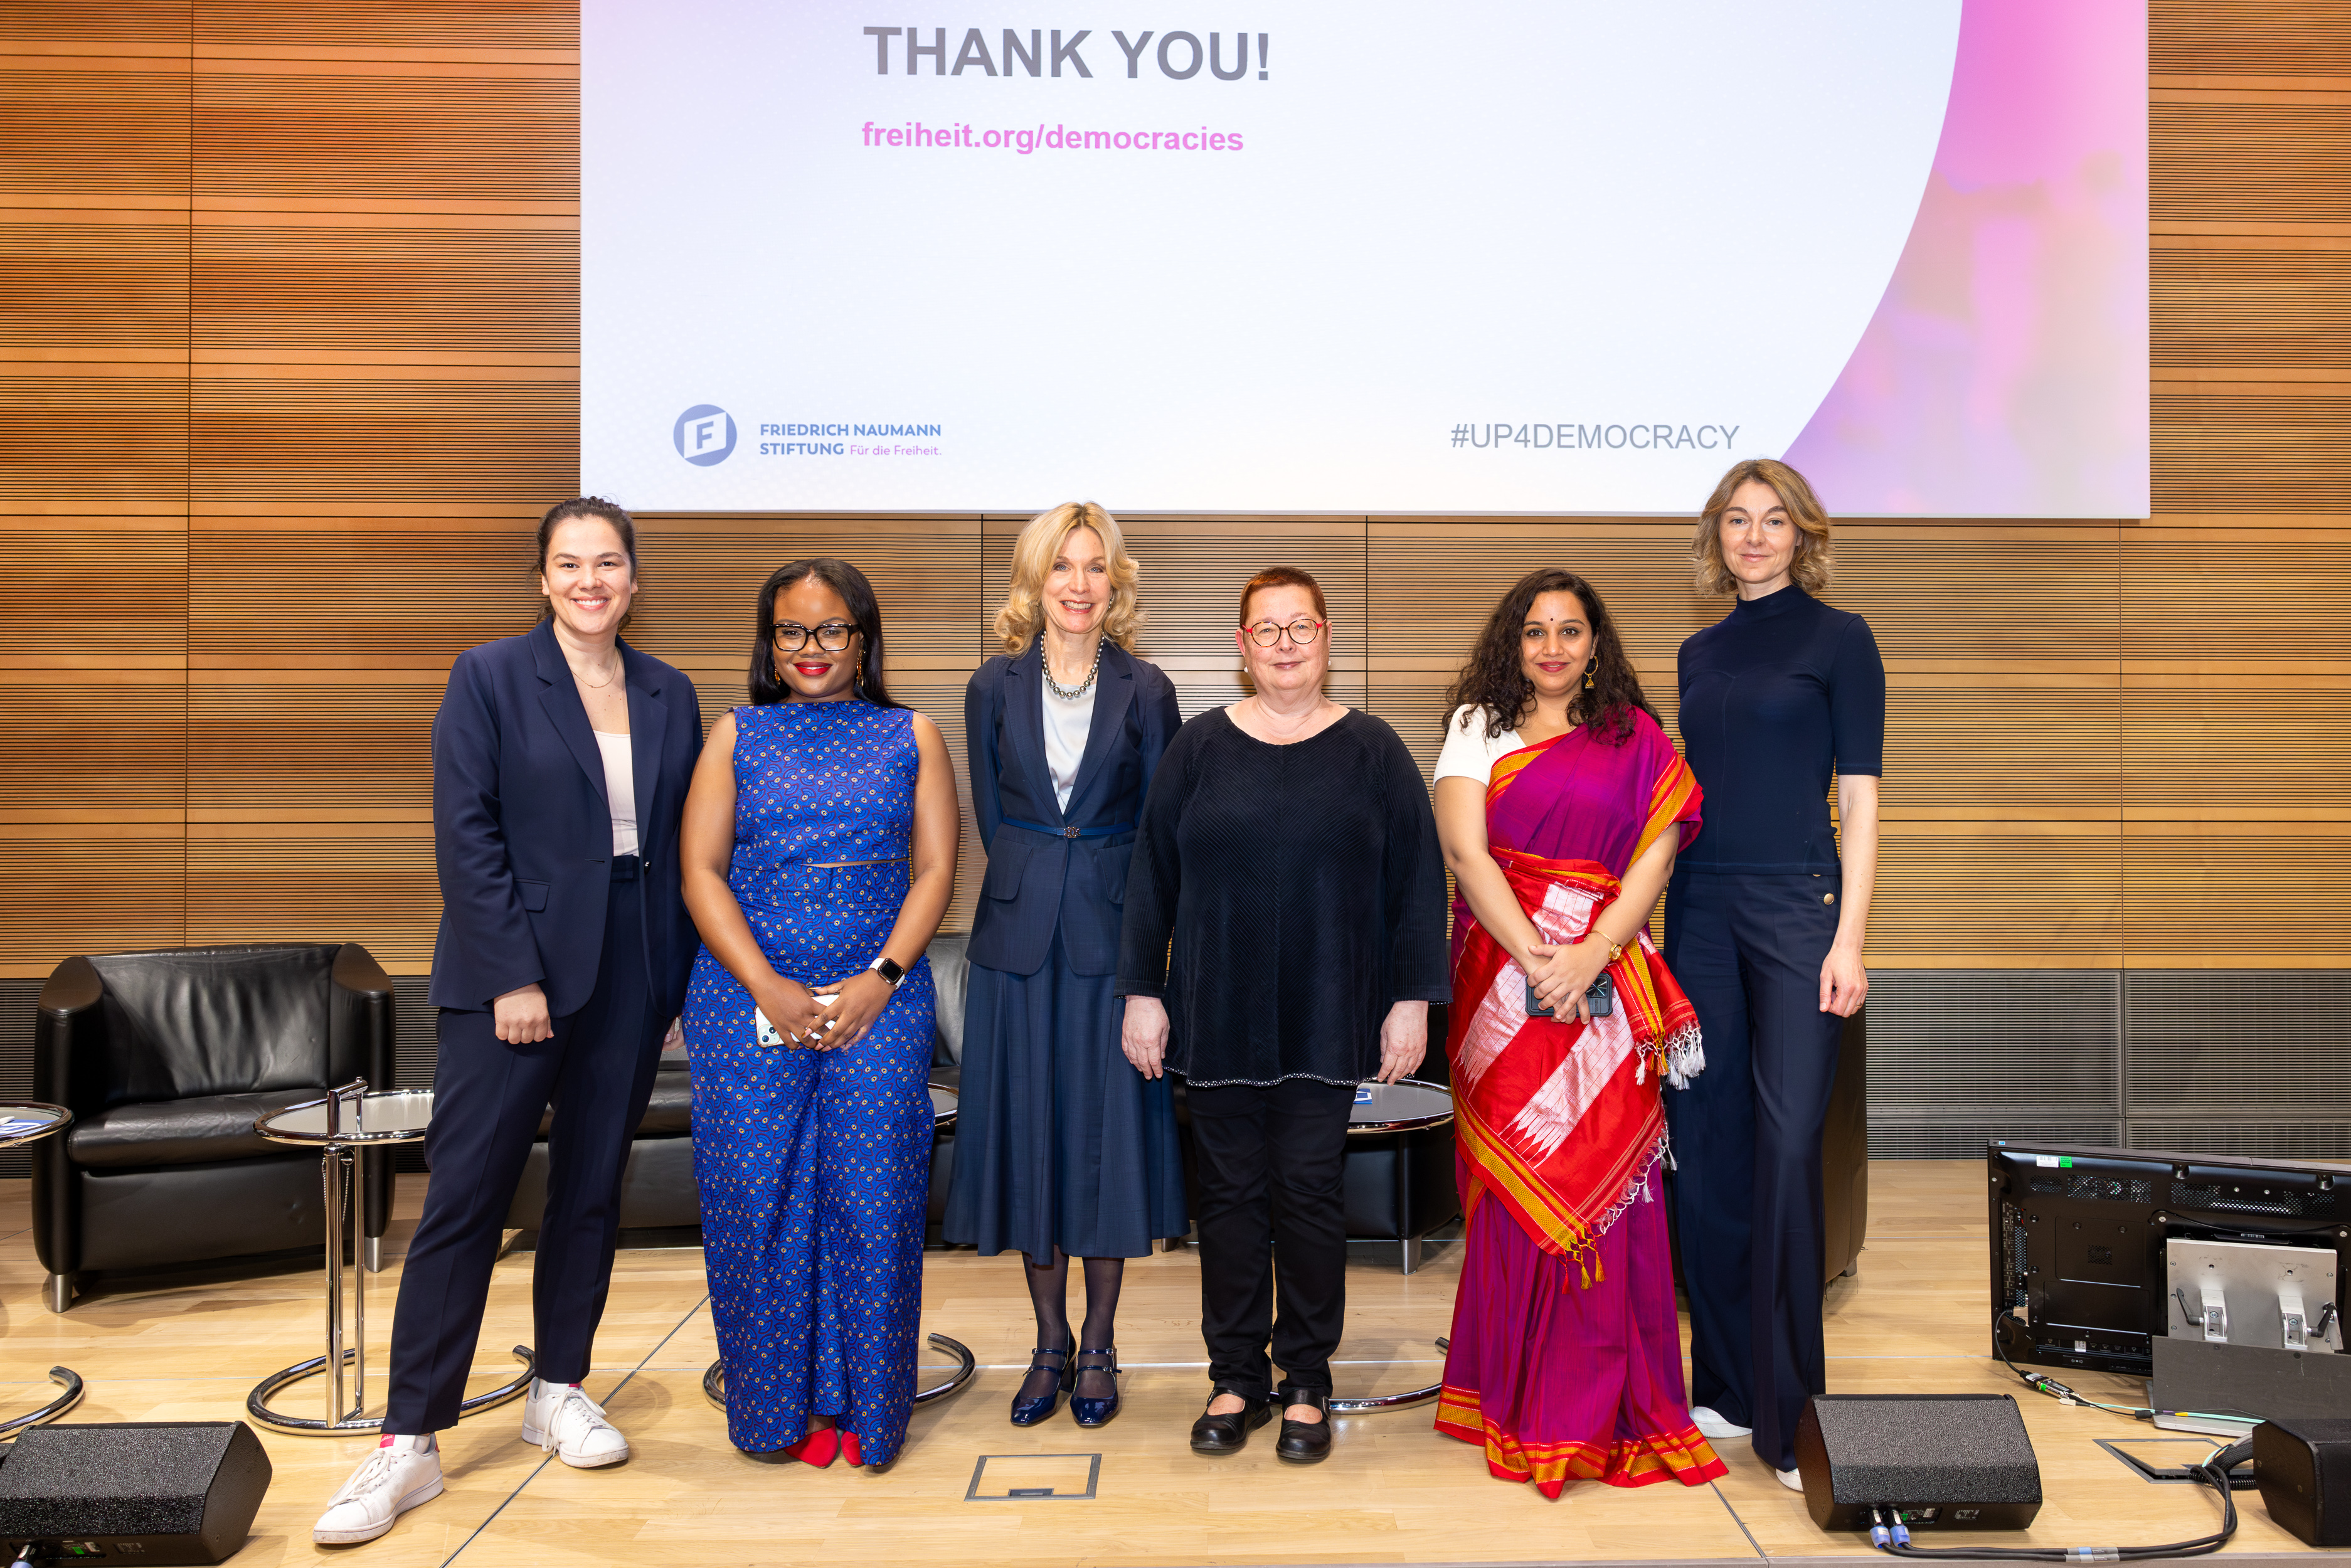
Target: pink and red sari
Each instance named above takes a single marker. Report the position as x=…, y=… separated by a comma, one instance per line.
x=1566, y=1360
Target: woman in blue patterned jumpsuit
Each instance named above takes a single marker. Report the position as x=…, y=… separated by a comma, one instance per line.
x=819, y=856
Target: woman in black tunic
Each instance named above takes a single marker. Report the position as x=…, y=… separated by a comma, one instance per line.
x=1765, y=918
x=1062, y=1148
x=1285, y=934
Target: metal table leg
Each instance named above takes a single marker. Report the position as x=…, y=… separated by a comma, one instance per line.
x=71, y=1381
x=714, y=1381
x=343, y=1177
x=1390, y=1401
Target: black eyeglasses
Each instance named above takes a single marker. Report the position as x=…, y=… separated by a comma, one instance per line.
x=832, y=636
x=1266, y=634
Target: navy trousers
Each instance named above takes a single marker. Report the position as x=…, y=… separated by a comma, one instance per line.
x=1747, y=1142
x=487, y=1099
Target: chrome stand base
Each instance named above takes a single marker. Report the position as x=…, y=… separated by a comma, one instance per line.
x=256, y=1404
x=70, y=1381
x=372, y=1255
x=59, y=1293
x=1390, y=1401
x=714, y=1381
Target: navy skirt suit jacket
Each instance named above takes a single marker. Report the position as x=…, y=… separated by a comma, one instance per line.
x=522, y=829
x=1041, y=873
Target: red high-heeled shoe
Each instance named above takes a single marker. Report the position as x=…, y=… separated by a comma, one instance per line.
x=849, y=1448
x=820, y=1446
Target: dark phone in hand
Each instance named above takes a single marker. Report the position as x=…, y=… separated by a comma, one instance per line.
x=1601, y=996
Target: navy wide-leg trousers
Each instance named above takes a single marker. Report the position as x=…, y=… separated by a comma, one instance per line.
x=1746, y=1192
x=487, y=1099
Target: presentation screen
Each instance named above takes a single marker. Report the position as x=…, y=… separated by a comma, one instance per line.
x=1530, y=256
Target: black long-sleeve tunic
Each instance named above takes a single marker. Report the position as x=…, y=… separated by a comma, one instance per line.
x=1282, y=898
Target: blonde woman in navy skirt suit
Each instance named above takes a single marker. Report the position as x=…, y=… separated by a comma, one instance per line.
x=1063, y=1148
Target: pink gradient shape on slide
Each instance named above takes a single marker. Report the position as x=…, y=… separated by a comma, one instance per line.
x=2005, y=371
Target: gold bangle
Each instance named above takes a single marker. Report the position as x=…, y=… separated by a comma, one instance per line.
x=1615, y=948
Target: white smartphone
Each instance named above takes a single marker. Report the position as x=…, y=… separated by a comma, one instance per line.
x=766, y=1033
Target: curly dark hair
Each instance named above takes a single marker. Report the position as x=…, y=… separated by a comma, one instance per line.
x=1494, y=680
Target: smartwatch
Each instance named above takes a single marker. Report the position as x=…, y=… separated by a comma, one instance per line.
x=890, y=969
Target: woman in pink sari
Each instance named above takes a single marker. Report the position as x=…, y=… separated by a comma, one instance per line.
x=1561, y=805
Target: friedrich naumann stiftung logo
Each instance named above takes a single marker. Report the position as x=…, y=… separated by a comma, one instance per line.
x=705, y=435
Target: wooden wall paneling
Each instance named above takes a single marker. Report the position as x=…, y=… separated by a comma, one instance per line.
x=352, y=594
x=103, y=287
x=360, y=123
x=311, y=745
x=369, y=883
x=2251, y=151
x=91, y=887
x=2237, y=895
x=2233, y=749
x=544, y=30
x=383, y=329
x=2247, y=38
x=94, y=173
x=94, y=108
x=2263, y=311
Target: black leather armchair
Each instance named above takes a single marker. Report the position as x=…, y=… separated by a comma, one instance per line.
x=167, y=1059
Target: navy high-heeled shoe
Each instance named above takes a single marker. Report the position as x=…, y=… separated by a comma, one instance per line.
x=1088, y=1412
x=1029, y=1412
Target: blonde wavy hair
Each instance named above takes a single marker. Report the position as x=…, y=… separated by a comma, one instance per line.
x=1032, y=562
x=1813, y=566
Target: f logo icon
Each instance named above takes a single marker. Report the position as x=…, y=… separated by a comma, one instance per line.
x=705, y=435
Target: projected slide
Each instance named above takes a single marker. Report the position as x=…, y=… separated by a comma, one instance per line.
x=1526, y=257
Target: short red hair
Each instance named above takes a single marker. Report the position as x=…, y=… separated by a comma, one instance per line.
x=1283, y=577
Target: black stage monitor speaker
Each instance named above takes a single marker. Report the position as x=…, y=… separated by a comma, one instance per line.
x=1953, y=1459
x=2304, y=1465
x=133, y=1492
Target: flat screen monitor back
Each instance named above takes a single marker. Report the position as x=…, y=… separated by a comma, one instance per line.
x=2078, y=1234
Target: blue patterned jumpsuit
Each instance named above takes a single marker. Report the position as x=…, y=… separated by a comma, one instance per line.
x=814, y=1167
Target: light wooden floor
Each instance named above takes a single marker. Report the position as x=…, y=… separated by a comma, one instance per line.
x=1915, y=1320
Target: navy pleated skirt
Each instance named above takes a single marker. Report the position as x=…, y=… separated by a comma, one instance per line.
x=1059, y=1140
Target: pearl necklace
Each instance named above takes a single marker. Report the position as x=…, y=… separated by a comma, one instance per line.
x=1071, y=694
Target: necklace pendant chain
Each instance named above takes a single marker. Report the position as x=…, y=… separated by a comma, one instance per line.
x=1071, y=694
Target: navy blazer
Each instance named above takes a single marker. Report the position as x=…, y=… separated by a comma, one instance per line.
x=1038, y=879
x=522, y=830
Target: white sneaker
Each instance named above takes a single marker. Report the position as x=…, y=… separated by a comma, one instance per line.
x=400, y=1474
x=1791, y=1480
x=561, y=1419
x=1711, y=1423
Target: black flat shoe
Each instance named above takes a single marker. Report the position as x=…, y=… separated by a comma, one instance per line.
x=1305, y=1442
x=1229, y=1434
x=1088, y=1412
x=1028, y=1412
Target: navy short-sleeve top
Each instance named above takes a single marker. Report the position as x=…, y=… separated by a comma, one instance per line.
x=1777, y=698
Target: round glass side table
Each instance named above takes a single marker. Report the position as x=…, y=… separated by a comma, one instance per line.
x=338, y=1125
x=24, y=1122
x=1408, y=1106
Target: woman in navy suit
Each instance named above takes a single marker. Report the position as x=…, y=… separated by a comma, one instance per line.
x=1064, y=1147
x=561, y=760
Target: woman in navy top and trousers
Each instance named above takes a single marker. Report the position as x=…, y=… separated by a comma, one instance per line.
x=1062, y=1148
x=561, y=760
x=1765, y=921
